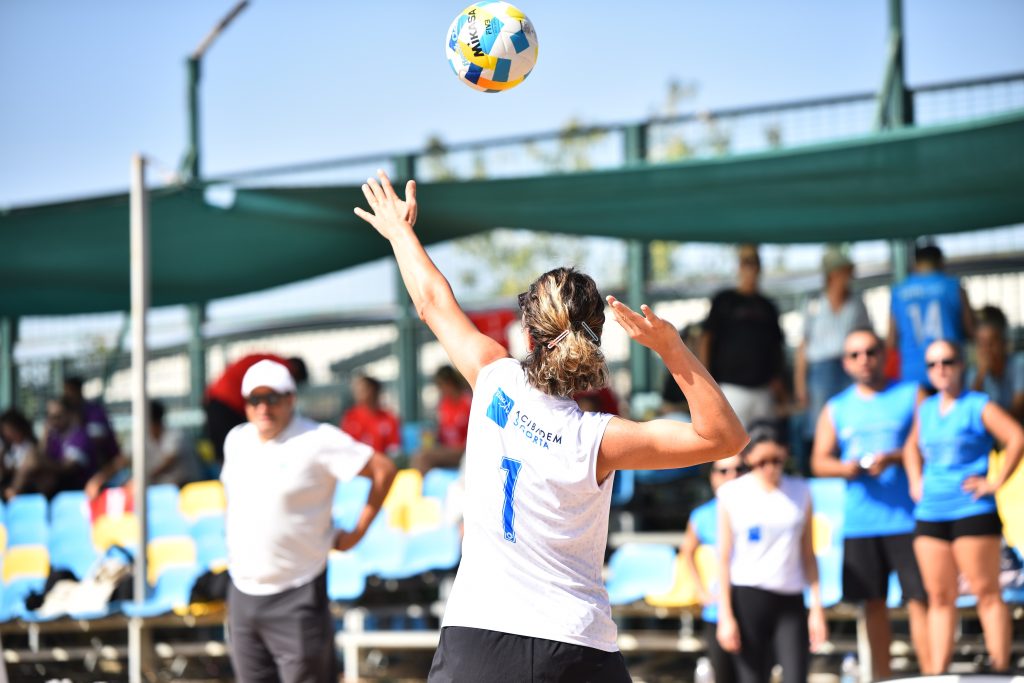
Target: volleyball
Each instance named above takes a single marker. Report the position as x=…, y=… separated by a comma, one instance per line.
x=491, y=46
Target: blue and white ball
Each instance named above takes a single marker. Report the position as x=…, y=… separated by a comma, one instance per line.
x=491, y=46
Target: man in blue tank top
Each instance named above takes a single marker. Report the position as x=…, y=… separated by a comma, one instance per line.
x=926, y=306
x=866, y=425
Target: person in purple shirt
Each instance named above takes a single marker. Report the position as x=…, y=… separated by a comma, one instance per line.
x=68, y=446
x=96, y=422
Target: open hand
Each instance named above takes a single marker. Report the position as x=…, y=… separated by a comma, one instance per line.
x=648, y=329
x=389, y=212
x=817, y=628
x=346, y=540
x=728, y=633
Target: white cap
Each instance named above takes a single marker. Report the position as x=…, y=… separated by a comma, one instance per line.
x=270, y=374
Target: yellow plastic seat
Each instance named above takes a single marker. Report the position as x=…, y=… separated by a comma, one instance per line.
x=1010, y=501
x=684, y=591
x=26, y=562
x=202, y=498
x=122, y=530
x=422, y=514
x=172, y=551
x=406, y=490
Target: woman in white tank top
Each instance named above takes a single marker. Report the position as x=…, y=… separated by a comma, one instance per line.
x=528, y=601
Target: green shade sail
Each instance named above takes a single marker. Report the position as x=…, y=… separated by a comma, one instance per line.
x=72, y=257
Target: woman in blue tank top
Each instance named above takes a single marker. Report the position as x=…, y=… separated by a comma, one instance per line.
x=958, y=528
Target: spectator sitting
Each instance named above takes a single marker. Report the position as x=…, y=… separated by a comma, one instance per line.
x=170, y=455
x=224, y=405
x=742, y=344
x=25, y=470
x=926, y=306
x=452, y=422
x=97, y=425
x=818, y=373
x=68, y=447
x=370, y=422
x=997, y=373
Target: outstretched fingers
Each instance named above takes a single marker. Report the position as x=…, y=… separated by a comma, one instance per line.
x=634, y=323
x=385, y=184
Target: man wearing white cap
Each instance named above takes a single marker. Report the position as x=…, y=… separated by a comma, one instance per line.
x=280, y=471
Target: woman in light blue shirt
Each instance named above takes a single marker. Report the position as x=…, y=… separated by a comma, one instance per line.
x=958, y=528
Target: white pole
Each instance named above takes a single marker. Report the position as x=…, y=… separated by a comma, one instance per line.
x=138, y=645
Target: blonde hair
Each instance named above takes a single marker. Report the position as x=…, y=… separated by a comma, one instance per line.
x=564, y=315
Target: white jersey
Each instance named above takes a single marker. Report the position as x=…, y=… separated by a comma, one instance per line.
x=279, y=495
x=767, y=529
x=536, y=522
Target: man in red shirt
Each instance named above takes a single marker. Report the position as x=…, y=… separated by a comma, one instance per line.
x=452, y=422
x=224, y=404
x=370, y=422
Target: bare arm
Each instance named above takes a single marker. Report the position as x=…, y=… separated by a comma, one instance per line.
x=715, y=431
x=913, y=462
x=1005, y=430
x=817, y=628
x=381, y=473
x=704, y=346
x=824, y=462
x=892, y=338
x=688, y=549
x=800, y=375
x=728, y=630
x=468, y=348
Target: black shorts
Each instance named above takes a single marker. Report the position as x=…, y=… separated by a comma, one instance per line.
x=988, y=524
x=867, y=563
x=474, y=654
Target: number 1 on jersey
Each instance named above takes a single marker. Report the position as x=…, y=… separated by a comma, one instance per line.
x=508, y=513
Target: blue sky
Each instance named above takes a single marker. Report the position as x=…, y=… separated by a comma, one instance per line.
x=85, y=84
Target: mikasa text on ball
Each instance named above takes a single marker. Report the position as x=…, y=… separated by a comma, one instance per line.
x=491, y=46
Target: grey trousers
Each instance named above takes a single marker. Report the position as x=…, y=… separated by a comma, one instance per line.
x=282, y=638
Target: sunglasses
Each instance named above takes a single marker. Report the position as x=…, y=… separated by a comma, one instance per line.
x=944, y=362
x=867, y=353
x=269, y=399
x=739, y=469
x=766, y=462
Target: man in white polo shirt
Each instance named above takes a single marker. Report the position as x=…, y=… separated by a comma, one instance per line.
x=280, y=471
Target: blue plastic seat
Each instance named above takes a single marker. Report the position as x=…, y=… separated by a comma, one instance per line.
x=27, y=522
x=433, y=550
x=12, y=603
x=346, y=581
x=382, y=550
x=623, y=487
x=211, y=544
x=437, y=481
x=349, y=500
x=72, y=550
x=173, y=589
x=639, y=569
x=31, y=506
x=69, y=513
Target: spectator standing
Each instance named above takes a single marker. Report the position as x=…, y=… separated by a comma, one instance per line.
x=68, y=446
x=25, y=469
x=452, y=422
x=369, y=421
x=818, y=372
x=767, y=560
x=997, y=373
x=867, y=425
x=702, y=529
x=224, y=404
x=958, y=527
x=742, y=344
x=280, y=472
x=926, y=306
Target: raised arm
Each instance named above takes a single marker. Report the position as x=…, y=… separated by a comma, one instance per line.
x=715, y=431
x=468, y=348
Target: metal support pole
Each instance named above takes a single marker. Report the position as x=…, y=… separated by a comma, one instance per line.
x=640, y=361
x=196, y=355
x=406, y=348
x=139, y=638
x=8, y=371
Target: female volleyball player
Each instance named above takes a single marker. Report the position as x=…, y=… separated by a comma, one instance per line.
x=528, y=601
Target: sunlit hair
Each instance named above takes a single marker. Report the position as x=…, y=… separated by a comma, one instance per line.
x=559, y=300
x=958, y=352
